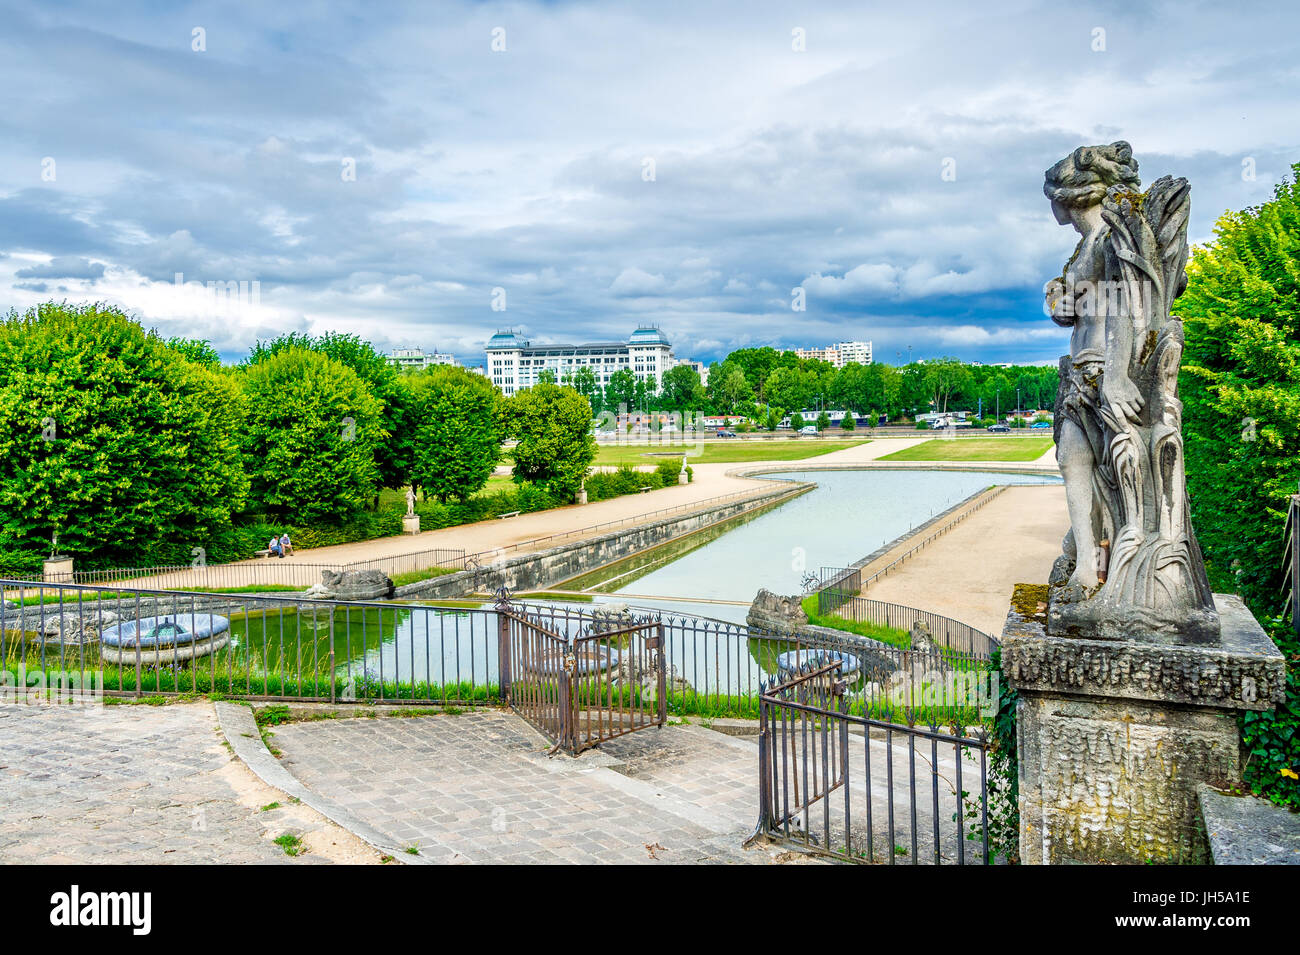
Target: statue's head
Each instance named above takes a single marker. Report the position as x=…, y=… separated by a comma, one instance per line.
x=1081, y=179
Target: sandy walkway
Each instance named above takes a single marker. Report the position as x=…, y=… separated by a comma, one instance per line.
x=968, y=573
x=710, y=481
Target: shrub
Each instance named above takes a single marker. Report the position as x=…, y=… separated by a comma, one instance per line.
x=1271, y=740
x=309, y=435
x=116, y=441
x=552, y=428
x=457, y=439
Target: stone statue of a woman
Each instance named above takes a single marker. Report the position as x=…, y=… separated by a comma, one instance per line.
x=1131, y=568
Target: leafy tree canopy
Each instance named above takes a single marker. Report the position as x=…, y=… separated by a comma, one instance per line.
x=1240, y=386
x=552, y=427
x=457, y=435
x=309, y=437
x=114, y=439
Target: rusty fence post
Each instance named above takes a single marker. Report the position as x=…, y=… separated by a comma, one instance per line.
x=568, y=735
x=503, y=644
x=662, y=694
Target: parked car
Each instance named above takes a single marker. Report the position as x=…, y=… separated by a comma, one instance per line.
x=808, y=429
x=726, y=434
x=999, y=429
x=1039, y=425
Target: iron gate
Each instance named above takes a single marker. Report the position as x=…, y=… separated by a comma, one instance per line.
x=584, y=687
x=863, y=790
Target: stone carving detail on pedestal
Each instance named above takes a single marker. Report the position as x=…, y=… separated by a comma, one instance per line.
x=1131, y=567
x=1115, y=737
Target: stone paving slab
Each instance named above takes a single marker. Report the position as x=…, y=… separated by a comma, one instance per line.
x=142, y=784
x=478, y=787
x=1247, y=830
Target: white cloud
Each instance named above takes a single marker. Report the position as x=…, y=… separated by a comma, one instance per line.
x=636, y=282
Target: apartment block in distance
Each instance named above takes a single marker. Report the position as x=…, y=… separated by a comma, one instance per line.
x=514, y=363
x=839, y=354
x=417, y=358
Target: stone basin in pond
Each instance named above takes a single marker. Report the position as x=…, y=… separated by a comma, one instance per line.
x=792, y=663
x=169, y=639
x=591, y=658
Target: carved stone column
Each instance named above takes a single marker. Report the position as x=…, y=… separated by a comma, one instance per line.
x=1114, y=736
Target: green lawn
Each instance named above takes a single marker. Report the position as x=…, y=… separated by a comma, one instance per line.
x=738, y=450
x=1007, y=448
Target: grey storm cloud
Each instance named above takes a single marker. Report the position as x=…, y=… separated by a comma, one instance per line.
x=616, y=164
x=63, y=267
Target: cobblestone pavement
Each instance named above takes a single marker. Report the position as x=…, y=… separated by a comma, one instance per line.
x=140, y=784
x=696, y=765
x=478, y=787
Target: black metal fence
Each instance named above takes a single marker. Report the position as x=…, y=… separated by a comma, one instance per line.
x=277, y=646
x=837, y=595
x=864, y=790
x=289, y=573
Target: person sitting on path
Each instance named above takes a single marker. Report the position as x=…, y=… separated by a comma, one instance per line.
x=274, y=549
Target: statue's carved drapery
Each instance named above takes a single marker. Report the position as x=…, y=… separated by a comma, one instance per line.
x=1131, y=566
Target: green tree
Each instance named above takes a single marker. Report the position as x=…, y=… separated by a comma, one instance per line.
x=944, y=379
x=395, y=453
x=585, y=383
x=823, y=421
x=791, y=387
x=796, y=422
x=117, y=441
x=848, y=423
x=309, y=437
x=457, y=437
x=758, y=364
x=620, y=393
x=197, y=350
x=728, y=387
x=773, y=419
x=913, y=392
x=552, y=427
x=1240, y=387
x=681, y=388
x=546, y=376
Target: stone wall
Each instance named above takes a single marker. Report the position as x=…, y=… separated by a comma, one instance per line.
x=542, y=569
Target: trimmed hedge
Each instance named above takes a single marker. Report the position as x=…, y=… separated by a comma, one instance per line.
x=627, y=480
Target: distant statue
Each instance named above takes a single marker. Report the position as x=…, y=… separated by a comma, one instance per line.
x=1131, y=566
x=54, y=543
x=410, y=502
x=683, y=470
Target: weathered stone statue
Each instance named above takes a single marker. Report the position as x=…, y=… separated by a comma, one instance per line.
x=1131, y=676
x=1131, y=567
x=410, y=502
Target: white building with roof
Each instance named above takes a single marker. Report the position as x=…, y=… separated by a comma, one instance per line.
x=417, y=358
x=514, y=363
x=839, y=354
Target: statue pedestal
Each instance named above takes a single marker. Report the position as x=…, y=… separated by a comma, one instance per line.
x=411, y=524
x=582, y=496
x=682, y=478
x=57, y=570
x=1114, y=736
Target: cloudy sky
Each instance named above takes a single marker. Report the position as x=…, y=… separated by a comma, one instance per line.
x=384, y=168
